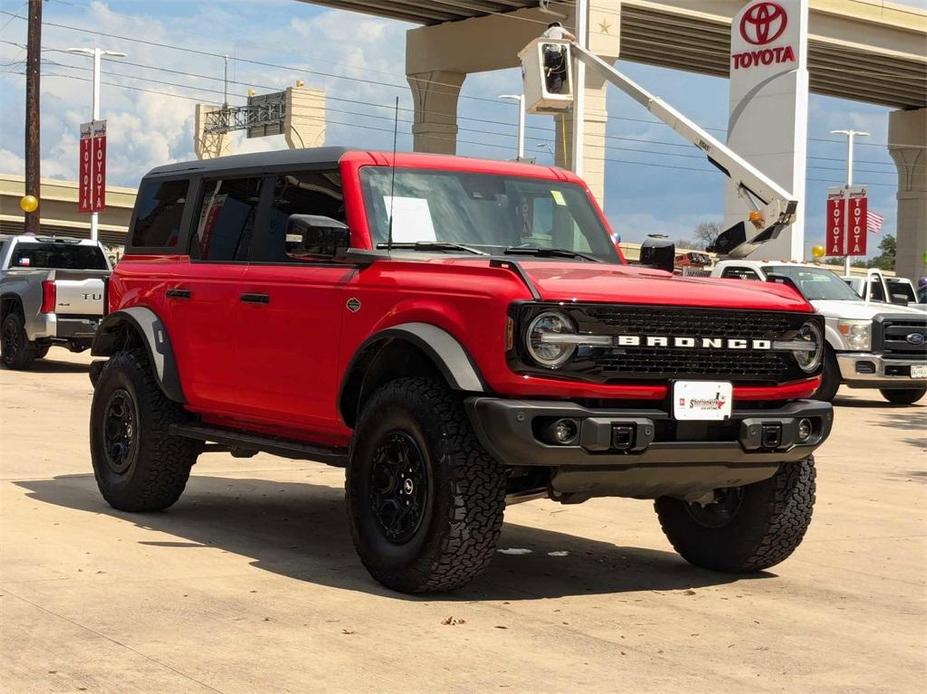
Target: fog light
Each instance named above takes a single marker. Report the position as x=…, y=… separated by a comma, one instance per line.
x=562, y=432
x=805, y=429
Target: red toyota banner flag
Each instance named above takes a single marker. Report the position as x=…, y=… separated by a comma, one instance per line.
x=85, y=171
x=91, y=196
x=99, y=172
x=836, y=221
x=857, y=205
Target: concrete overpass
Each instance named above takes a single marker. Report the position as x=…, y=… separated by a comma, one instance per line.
x=58, y=209
x=864, y=50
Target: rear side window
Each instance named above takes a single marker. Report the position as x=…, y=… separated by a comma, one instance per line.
x=227, y=213
x=739, y=273
x=158, y=212
x=317, y=193
x=58, y=256
x=875, y=291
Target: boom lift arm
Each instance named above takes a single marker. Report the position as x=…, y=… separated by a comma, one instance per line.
x=771, y=206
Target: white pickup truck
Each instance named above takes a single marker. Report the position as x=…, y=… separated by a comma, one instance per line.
x=52, y=292
x=869, y=345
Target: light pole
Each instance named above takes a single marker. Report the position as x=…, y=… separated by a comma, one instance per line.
x=579, y=87
x=520, y=98
x=97, y=54
x=851, y=136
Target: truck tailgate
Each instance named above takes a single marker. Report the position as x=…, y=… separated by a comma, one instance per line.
x=78, y=296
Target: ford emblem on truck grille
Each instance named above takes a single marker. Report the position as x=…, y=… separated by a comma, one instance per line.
x=915, y=338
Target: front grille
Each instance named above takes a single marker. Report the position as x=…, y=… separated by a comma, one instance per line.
x=897, y=341
x=660, y=364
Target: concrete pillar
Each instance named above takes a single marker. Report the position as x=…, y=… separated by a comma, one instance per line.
x=596, y=116
x=907, y=143
x=304, y=123
x=208, y=145
x=434, y=94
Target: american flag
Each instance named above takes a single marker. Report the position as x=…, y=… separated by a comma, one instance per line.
x=874, y=221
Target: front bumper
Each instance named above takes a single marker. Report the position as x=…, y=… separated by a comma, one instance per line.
x=513, y=432
x=867, y=370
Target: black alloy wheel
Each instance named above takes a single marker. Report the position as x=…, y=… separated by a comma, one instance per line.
x=15, y=348
x=719, y=513
x=399, y=487
x=10, y=341
x=120, y=431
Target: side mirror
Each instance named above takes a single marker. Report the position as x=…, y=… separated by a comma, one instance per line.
x=314, y=236
x=900, y=299
x=658, y=252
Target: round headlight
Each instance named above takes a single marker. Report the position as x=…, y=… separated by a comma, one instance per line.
x=549, y=352
x=809, y=357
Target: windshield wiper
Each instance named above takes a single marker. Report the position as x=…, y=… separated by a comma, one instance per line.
x=550, y=253
x=430, y=246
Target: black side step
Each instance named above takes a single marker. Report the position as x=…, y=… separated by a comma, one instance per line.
x=285, y=448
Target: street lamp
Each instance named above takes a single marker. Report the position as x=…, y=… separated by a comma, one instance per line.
x=851, y=136
x=97, y=54
x=520, y=98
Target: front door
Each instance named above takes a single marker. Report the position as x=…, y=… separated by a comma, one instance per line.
x=290, y=313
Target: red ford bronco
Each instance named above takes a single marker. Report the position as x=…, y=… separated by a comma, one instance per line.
x=459, y=334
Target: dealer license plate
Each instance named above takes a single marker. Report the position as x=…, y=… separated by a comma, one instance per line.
x=919, y=371
x=702, y=400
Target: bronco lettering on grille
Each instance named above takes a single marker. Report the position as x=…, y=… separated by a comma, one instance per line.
x=692, y=342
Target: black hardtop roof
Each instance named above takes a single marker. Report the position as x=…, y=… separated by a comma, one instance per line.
x=255, y=161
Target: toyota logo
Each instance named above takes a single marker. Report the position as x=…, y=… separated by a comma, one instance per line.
x=763, y=23
x=915, y=339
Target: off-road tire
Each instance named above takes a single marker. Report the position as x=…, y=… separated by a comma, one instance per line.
x=158, y=465
x=830, y=377
x=903, y=396
x=767, y=526
x=465, y=501
x=16, y=352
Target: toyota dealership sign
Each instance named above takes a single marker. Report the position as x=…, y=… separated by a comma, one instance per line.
x=768, y=121
x=761, y=26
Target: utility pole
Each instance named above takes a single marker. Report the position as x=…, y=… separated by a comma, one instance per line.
x=851, y=136
x=520, y=98
x=33, y=86
x=97, y=54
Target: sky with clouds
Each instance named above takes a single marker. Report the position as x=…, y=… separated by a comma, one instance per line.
x=148, y=99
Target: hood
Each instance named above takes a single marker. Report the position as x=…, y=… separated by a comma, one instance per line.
x=626, y=284
x=861, y=310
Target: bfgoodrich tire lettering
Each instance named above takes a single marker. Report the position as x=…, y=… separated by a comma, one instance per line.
x=462, y=510
x=762, y=526
x=149, y=468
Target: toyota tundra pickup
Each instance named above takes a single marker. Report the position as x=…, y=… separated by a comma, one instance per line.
x=458, y=334
x=51, y=293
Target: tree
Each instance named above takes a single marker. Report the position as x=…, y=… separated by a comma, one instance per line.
x=885, y=261
x=706, y=233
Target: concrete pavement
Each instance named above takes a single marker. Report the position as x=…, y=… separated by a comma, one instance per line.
x=250, y=582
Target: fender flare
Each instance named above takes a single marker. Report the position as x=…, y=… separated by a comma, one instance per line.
x=443, y=349
x=151, y=331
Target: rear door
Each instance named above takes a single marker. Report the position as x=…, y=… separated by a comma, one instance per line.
x=204, y=293
x=291, y=309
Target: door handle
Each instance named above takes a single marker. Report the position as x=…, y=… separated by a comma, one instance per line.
x=255, y=298
x=178, y=293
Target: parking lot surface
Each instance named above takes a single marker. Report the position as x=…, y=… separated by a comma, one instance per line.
x=250, y=582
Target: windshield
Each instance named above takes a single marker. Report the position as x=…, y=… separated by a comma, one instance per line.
x=815, y=283
x=481, y=211
x=58, y=256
